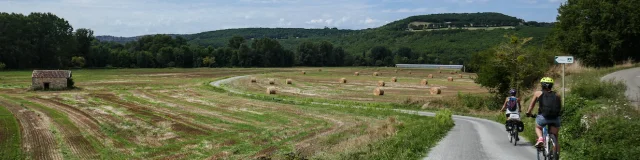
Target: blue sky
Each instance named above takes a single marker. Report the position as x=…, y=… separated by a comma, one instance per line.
x=140, y=17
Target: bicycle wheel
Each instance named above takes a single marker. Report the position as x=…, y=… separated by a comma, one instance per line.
x=551, y=147
x=511, y=136
x=515, y=138
x=541, y=155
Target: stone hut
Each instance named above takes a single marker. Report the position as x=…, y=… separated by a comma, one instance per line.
x=50, y=79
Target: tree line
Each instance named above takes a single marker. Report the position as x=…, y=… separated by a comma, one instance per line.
x=43, y=40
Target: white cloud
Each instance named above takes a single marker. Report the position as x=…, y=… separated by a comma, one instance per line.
x=468, y=1
x=141, y=17
x=315, y=21
x=369, y=20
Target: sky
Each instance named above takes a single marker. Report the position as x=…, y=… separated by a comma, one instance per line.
x=141, y=17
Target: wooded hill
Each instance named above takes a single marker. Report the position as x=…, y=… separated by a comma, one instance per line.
x=248, y=47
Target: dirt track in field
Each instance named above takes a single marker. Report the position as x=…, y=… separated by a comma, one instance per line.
x=38, y=140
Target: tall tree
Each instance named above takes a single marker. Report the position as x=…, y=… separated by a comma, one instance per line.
x=598, y=32
x=235, y=42
x=83, y=37
x=307, y=54
x=325, y=53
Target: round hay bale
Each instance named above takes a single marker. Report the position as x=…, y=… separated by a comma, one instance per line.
x=356, y=73
x=450, y=79
x=303, y=72
x=253, y=80
x=271, y=81
x=343, y=80
x=424, y=82
x=430, y=76
x=289, y=81
x=409, y=72
x=435, y=90
x=455, y=72
x=271, y=90
x=394, y=79
x=378, y=92
x=380, y=83
x=460, y=75
x=451, y=72
x=376, y=73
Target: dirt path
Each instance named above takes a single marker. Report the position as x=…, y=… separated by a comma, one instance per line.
x=38, y=142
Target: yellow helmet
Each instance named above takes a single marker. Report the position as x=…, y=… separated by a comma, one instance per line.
x=546, y=80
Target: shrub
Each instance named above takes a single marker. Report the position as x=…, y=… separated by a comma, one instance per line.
x=78, y=61
x=592, y=88
x=444, y=117
x=2, y=65
x=70, y=83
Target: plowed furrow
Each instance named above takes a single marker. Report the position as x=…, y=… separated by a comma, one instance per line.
x=72, y=135
x=38, y=141
x=146, y=112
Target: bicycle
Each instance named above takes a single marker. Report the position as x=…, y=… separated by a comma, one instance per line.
x=512, y=123
x=547, y=151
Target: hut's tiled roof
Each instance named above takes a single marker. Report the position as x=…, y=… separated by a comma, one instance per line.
x=51, y=74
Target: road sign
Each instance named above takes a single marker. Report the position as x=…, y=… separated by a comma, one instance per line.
x=564, y=59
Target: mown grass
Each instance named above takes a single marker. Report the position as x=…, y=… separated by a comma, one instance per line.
x=413, y=139
x=64, y=122
x=10, y=136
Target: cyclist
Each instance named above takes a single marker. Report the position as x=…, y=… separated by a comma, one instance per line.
x=548, y=110
x=512, y=106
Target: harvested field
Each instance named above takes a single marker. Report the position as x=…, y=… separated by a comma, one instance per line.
x=176, y=114
x=324, y=85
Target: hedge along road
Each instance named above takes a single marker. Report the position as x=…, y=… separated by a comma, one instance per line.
x=470, y=138
x=631, y=78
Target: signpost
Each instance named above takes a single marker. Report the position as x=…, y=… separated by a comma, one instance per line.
x=564, y=60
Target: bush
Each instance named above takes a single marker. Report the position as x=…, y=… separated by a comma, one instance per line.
x=444, y=117
x=597, y=123
x=70, y=83
x=591, y=88
x=2, y=65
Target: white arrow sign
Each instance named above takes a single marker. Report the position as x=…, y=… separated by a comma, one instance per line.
x=564, y=59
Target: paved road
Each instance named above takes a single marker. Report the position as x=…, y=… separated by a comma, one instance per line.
x=631, y=77
x=470, y=138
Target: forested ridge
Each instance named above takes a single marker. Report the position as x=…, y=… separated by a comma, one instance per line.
x=30, y=41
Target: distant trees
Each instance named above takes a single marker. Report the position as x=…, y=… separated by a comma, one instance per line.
x=78, y=61
x=39, y=40
x=511, y=65
x=42, y=40
x=600, y=33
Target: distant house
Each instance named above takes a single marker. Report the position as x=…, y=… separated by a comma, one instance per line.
x=49, y=79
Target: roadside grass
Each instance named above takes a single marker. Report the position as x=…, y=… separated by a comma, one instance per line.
x=10, y=142
x=598, y=120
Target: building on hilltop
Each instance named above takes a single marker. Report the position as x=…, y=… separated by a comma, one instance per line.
x=50, y=79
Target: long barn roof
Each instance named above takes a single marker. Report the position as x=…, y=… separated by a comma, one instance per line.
x=51, y=74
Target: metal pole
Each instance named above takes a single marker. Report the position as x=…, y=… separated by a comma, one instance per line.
x=563, y=88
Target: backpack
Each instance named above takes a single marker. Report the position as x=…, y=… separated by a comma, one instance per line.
x=512, y=104
x=549, y=105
